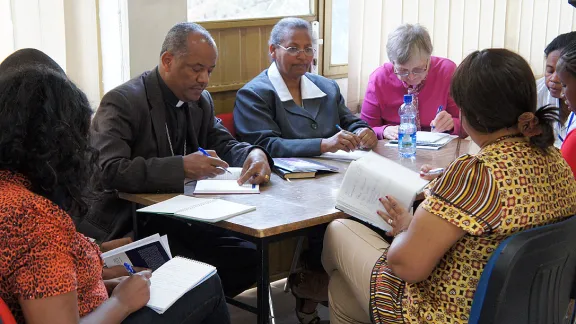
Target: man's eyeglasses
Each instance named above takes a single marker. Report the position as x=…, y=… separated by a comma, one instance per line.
x=294, y=51
x=416, y=72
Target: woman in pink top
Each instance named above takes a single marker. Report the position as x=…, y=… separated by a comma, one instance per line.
x=412, y=70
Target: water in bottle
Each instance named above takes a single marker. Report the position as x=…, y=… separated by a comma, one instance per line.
x=407, y=128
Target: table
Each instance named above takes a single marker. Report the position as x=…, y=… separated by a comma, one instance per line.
x=293, y=208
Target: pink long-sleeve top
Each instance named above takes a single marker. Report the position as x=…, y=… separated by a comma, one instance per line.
x=385, y=95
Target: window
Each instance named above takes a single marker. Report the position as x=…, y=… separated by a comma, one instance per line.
x=114, y=43
x=214, y=10
x=6, y=29
x=336, y=22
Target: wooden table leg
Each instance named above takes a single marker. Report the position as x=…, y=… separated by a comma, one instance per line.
x=263, y=283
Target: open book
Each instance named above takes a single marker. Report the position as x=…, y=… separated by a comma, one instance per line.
x=225, y=184
x=428, y=140
x=150, y=252
x=373, y=177
x=175, y=278
x=200, y=209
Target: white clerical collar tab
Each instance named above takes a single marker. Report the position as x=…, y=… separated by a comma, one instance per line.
x=180, y=103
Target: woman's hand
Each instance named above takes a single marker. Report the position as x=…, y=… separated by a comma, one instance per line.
x=134, y=292
x=396, y=216
x=391, y=133
x=443, y=122
x=425, y=168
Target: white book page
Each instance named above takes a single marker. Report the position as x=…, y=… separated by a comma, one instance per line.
x=165, y=245
x=343, y=155
x=233, y=175
x=374, y=177
x=173, y=279
x=429, y=137
x=128, y=247
x=173, y=205
x=224, y=187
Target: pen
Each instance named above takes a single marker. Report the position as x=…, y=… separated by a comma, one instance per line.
x=440, y=108
x=203, y=151
x=129, y=268
x=433, y=171
x=340, y=129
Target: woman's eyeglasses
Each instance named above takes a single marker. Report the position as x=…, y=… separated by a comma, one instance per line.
x=416, y=72
x=294, y=51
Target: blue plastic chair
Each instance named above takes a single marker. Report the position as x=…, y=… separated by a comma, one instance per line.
x=529, y=278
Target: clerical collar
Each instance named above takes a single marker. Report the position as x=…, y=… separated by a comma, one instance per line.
x=167, y=94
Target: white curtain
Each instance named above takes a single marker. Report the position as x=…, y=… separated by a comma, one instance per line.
x=457, y=27
x=66, y=30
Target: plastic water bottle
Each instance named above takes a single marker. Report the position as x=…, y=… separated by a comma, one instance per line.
x=407, y=128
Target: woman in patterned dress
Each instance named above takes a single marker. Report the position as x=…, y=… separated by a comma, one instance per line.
x=517, y=181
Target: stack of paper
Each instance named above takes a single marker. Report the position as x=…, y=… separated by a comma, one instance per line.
x=343, y=155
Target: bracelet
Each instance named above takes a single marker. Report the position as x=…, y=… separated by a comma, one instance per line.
x=402, y=231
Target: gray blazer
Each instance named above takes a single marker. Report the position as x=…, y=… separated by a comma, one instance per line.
x=128, y=130
x=285, y=129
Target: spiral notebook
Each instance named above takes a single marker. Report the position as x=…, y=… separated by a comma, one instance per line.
x=199, y=209
x=174, y=279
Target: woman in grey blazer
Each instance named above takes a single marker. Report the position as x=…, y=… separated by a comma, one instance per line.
x=290, y=112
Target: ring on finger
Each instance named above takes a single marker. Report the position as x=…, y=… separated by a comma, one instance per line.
x=390, y=221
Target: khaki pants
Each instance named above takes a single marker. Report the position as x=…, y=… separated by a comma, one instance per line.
x=350, y=253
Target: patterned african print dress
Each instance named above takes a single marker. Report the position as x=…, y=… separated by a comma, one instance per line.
x=509, y=186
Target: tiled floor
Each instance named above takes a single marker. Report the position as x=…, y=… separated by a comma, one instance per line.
x=283, y=307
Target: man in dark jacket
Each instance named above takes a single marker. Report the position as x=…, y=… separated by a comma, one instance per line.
x=149, y=130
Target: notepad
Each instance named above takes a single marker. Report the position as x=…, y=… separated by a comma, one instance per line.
x=175, y=278
x=225, y=184
x=199, y=209
x=429, y=137
x=373, y=177
x=343, y=155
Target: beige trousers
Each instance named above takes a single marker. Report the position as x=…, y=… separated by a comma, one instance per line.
x=349, y=255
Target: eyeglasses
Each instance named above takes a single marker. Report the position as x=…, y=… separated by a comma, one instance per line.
x=416, y=72
x=294, y=51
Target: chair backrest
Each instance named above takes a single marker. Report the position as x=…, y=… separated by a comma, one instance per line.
x=5, y=314
x=529, y=277
x=227, y=120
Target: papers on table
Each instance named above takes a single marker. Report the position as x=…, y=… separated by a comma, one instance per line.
x=343, y=155
x=226, y=184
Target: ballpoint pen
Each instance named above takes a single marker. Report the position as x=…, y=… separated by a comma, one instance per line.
x=440, y=108
x=201, y=150
x=129, y=269
x=433, y=171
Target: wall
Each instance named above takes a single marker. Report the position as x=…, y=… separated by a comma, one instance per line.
x=457, y=27
x=148, y=23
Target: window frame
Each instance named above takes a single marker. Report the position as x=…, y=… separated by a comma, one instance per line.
x=333, y=71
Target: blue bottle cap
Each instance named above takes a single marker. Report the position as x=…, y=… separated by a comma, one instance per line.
x=407, y=98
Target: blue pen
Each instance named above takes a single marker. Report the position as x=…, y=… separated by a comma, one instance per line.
x=201, y=150
x=440, y=108
x=129, y=268
x=339, y=128
x=253, y=186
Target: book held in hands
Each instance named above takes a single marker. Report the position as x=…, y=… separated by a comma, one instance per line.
x=373, y=177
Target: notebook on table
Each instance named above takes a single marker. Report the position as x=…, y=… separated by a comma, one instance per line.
x=175, y=278
x=226, y=184
x=200, y=209
x=373, y=177
x=296, y=168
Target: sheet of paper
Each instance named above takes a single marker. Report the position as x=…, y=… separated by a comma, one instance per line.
x=225, y=187
x=233, y=175
x=429, y=137
x=215, y=211
x=343, y=155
